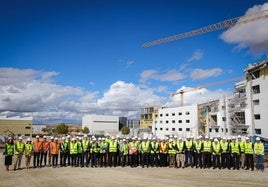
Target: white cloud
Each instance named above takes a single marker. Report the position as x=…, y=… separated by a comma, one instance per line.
x=252, y=35
x=199, y=74
x=169, y=76
x=197, y=55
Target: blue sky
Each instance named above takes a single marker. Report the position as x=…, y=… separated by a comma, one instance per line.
x=60, y=60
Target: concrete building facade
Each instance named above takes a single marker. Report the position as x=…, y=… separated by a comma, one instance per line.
x=19, y=126
x=101, y=124
x=179, y=121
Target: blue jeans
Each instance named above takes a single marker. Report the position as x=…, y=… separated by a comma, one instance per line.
x=259, y=162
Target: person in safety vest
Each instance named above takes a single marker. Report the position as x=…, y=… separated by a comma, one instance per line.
x=235, y=152
x=28, y=152
x=85, y=145
x=49, y=152
x=154, y=147
x=206, y=152
x=19, y=150
x=103, y=152
x=188, y=152
x=198, y=148
x=54, y=150
x=259, y=154
x=45, y=151
x=216, y=151
x=63, y=152
x=180, y=158
x=249, y=152
x=225, y=154
x=9, y=152
x=68, y=155
x=133, y=152
x=172, y=153
x=79, y=152
x=113, y=146
x=124, y=148
x=95, y=152
x=73, y=151
x=163, y=152
x=145, y=150
x=37, y=151
x=242, y=151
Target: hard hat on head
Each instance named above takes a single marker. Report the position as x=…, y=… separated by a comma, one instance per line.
x=45, y=137
x=20, y=138
x=258, y=139
x=28, y=139
x=63, y=138
x=37, y=136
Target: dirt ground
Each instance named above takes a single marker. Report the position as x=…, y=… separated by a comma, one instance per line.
x=119, y=176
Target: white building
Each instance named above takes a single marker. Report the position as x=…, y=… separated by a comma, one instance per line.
x=101, y=124
x=180, y=121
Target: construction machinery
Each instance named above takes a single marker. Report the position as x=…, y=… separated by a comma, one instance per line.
x=182, y=91
x=214, y=27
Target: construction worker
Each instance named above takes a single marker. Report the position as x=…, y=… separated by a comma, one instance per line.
x=188, y=152
x=259, y=154
x=19, y=150
x=145, y=150
x=54, y=151
x=235, y=152
x=124, y=148
x=85, y=145
x=139, y=157
x=113, y=147
x=242, y=151
x=198, y=147
x=95, y=153
x=172, y=153
x=180, y=157
x=249, y=152
x=63, y=152
x=216, y=152
x=68, y=156
x=163, y=152
x=49, y=151
x=103, y=152
x=207, y=152
x=9, y=152
x=225, y=154
x=45, y=151
x=37, y=151
x=73, y=151
x=28, y=152
x=79, y=153
x=133, y=153
x=154, y=147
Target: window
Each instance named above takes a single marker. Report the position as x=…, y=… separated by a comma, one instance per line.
x=256, y=102
x=221, y=129
x=161, y=128
x=255, y=74
x=166, y=114
x=173, y=121
x=155, y=129
x=167, y=121
x=155, y=122
x=173, y=129
x=187, y=129
x=187, y=121
x=156, y=115
x=223, y=118
x=216, y=130
x=27, y=127
x=258, y=131
x=166, y=129
x=226, y=130
x=161, y=115
x=173, y=114
x=257, y=116
x=27, y=135
x=180, y=129
x=187, y=113
x=210, y=130
x=161, y=121
x=180, y=113
x=180, y=121
x=223, y=107
x=256, y=89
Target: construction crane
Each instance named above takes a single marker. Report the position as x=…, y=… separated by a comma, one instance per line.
x=181, y=92
x=214, y=27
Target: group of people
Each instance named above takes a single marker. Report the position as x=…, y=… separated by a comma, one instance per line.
x=222, y=153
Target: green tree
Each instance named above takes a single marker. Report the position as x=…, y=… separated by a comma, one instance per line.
x=85, y=130
x=61, y=128
x=125, y=130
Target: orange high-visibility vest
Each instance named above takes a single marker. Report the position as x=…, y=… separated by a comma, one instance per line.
x=38, y=146
x=54, y=148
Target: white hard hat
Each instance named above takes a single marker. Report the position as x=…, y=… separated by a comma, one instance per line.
x=124, y=140
x=28, y=139
x=68, y=136
x=79, y=138
x=52, y=137
x=258, y=139
x=238, y=136
x=215, y=140
x=247, y=138
x=206, y=137
x=99, y=138
x=85, y=136
x=180, y=138
x=73, y=139
x=63, y=138
x=175, y=136
x=44, y=137
x=37, y=136
x=113, y=138
x=56, y=138
x=117, y=136
x=20, y=138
